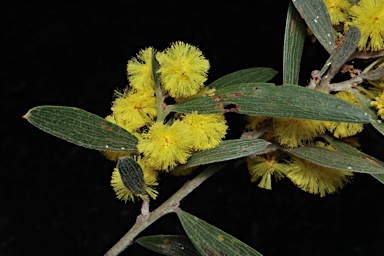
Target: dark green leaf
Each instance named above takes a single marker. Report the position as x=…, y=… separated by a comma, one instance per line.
x=209, y=240
x=250, y=75
x=131, y=174
x=345, y=148
x=170, y=245
x=341, y=54
x=337, y=160
x=81, y=128
x=263, y=99
x=227, y=150
x=293, y=45
x=318, y=20
x=379, y=177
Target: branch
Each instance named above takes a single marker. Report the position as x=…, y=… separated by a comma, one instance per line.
x=145, y=220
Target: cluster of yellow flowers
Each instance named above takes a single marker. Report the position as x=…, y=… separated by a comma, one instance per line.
x=291, y=133
x=165, y=139
x=367, y=15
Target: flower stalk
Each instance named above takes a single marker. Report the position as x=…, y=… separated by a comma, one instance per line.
x=146, y=218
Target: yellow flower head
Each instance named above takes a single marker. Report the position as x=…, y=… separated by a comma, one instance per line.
x=139, y=71
x=342, y=129
x=368, y=16
x=150, y=179
x=183, y=69
x=338, y=10
x=378, y=103
x=316, y=179
x=207, y=130
x=261, y=168
x=164, y=147
x=134, y=109
x=293, y=132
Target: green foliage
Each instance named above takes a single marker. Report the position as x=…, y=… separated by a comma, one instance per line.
x=81, y=128
x=249, y=75
x=275, y=114
x=294, y=37
x=263, y=99
x=227, y=150
x=336, y=160
x=209, y=240
x=170, y=245
x=317, y=18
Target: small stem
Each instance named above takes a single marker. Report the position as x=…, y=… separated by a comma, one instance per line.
x=145, y=207
x=172, y=203
x=161, y=114
x=366, y=55
x=346, y=85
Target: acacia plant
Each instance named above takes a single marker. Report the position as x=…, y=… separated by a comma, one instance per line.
x=169, y=121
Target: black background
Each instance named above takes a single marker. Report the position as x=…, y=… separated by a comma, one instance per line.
x=55, y=196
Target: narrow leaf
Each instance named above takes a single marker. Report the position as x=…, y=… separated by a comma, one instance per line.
x=345, y=148
x=263, y=99
x=342, y=54
x=336, y=160
x=155, y=68
x=294, y=38
x=250, y=75
x=131, y=174
x=81, y=128
x=209, y=240
x=170, y=245
x=374, y=74
x=318, y=20
x=227, y=150
x=364, y=104
x=379, y=177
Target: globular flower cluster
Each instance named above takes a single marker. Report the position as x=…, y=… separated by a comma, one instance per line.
x=292, y=133
x=378, y=103
x=367, y=15
x=165, y=139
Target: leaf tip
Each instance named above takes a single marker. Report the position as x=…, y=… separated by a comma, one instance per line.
x=26, y=116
